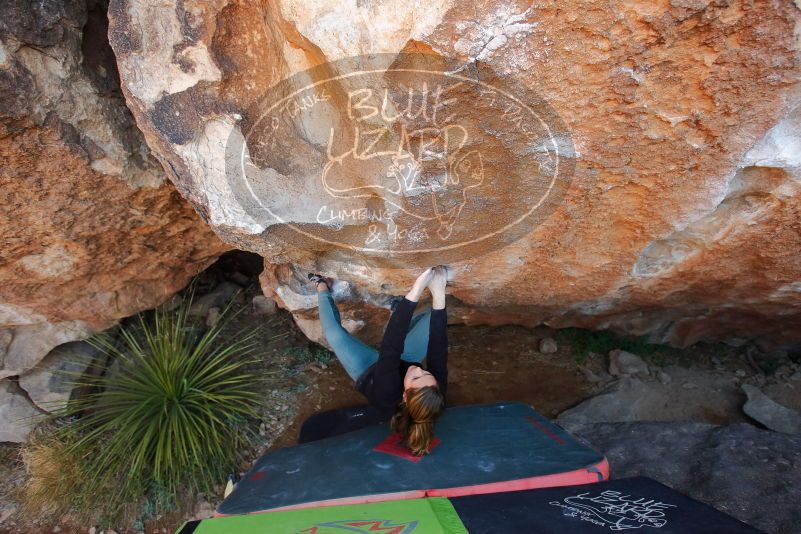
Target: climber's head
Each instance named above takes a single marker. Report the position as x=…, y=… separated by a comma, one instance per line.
x=415, y=417
x=416, y=377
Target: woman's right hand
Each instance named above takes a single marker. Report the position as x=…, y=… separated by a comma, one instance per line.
x=437, y=285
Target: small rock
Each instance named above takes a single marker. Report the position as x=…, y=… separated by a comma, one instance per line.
x=741, y=373
x=783, y=371
x=203, y=510
x=213, y=316
x=663, y=377
x=796, y=376
x=590, y=376
x=172, y=303
x=263, y=305
x=689, y=385
x=6, y=513
x=219, y=297
x=625, y=363
x=770, y=413
x=600, y=377
x=548, y=345
x=92, y=530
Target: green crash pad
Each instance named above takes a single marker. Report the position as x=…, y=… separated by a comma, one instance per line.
x=430, y=516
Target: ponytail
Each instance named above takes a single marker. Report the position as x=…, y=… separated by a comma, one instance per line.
x=414, y=419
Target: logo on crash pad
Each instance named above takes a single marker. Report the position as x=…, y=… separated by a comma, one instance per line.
x=400, y=159
x=615, y=510
x=362, y=525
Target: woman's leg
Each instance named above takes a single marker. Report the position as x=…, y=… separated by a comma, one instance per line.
x=354, y=355
x=415, y=345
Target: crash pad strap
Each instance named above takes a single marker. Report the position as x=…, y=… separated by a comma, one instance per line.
x=435, y=516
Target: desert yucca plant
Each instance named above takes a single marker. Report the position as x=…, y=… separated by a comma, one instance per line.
x=169, y=413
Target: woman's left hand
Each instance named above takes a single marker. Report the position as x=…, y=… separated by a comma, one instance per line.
x=437, y=286
x=420, y=284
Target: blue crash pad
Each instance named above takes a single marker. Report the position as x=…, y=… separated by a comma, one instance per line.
x=480, y=449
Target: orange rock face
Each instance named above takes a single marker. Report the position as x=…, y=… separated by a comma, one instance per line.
x=91, y=230
x=675, y=126
x=84, y=248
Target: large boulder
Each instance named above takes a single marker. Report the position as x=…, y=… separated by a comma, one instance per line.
x=18, y=416
x=743, y=471
x=671, y=131
x=92, y=231
x=690, y=395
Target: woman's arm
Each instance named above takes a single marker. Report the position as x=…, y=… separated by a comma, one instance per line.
x=386, y=379
x=438, y=331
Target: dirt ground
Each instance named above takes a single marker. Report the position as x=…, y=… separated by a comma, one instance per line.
x=484, y=365
x=493, y=364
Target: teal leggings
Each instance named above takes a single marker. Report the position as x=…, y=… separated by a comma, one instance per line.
x=356, y=357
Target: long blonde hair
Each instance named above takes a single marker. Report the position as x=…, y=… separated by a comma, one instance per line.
x=414, y=419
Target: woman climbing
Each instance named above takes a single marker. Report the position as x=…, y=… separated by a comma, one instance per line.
x=393, y=379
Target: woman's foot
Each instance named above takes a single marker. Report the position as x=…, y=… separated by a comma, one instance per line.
x=320, y=281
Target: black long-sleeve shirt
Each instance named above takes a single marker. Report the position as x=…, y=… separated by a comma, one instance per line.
x=382, y=383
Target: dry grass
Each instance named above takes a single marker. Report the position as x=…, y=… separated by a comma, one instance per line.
x=54, y=478
x=58, y=483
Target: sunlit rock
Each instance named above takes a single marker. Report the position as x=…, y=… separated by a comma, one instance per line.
x=678, y=123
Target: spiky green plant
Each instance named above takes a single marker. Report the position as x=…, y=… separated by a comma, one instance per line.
x=169, y=413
